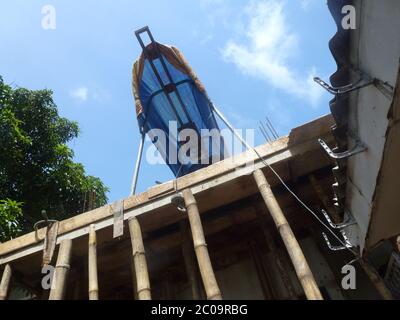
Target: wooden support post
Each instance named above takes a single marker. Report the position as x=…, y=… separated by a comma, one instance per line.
x=92, y=265
x=263, y=276
x=139, y=259
x=376, y=280
x=59, y=280
x=200, y=247
x=300, y=264
x=189, y=259
x=5, y=282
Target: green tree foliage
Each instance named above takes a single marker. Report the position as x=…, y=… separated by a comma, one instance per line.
x=10, y=215
x=37, y=170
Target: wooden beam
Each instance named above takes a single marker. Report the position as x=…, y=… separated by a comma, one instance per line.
x=92, y=265
x=200, y=247
x=5, y=282
x=59, y=280
x=324, y=198
x=300, y=264
x=139, y=258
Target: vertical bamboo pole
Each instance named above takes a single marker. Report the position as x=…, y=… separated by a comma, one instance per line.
x=92, y=265
x=200, y=247
x=57, y=291
x=5, y=282
x=139, y=259
x=299, y=261
x=134, y=285
x=189, y=259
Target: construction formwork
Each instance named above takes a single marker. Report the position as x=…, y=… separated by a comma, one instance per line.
x=235, y=236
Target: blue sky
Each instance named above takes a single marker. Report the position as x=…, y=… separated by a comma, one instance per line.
x=255, y=58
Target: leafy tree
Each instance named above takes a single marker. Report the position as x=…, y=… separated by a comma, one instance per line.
x=37, y=171
x=10, y=214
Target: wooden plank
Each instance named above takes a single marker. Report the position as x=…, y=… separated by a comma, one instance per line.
x=118, y=213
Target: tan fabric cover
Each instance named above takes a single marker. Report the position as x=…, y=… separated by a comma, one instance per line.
x=176, y=58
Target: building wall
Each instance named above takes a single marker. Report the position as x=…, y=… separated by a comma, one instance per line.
x=375, y=51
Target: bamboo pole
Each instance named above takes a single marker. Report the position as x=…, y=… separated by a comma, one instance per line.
x=189, y=259
x=300, y=264
x=59, y=280
x=200, y=247
x=5, y=282
x=139, y=259
x=92, y=265
x=134, y=286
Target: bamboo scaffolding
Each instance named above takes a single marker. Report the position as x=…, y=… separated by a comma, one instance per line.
x=189, y=259
x=300, y=264
x=5, y=282
x=59, y=280
x=139, y=259
x=92, y=265
x=200, y=247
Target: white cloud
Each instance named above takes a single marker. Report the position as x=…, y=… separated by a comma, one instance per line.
x=269, y=45
x=305, y=4
x=80, y=93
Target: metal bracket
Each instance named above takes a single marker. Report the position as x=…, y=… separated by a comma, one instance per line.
x=358, y=148
x=348, y=220
x=384, y=87
x=179, y=202
x=347, y=244
x=45, y=222
x=362, y=83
